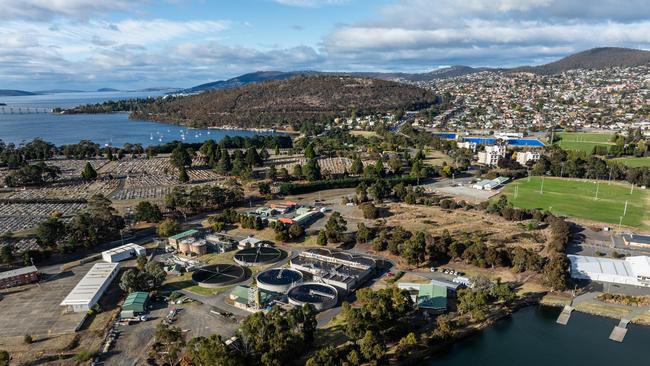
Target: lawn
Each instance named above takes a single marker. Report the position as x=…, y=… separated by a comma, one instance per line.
x=571, y=197
x=634, y=162
x=583, y=141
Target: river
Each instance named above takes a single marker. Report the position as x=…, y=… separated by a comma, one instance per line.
x=532, y=338
x=115, y=129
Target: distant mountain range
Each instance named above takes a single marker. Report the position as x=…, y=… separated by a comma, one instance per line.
x=596, y=58
x=14, y=93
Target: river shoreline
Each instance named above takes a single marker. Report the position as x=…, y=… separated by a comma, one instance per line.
x=428, y=351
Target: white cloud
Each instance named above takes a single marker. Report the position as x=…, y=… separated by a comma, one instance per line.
x=310, y=3
x=488, y=32
x=40, y=10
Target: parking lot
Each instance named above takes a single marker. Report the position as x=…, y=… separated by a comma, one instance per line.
x=460, y=188
x=35, y=310
x=194, y=319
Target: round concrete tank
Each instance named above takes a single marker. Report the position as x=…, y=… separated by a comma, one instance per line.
x=278, y=280
x=322, y=296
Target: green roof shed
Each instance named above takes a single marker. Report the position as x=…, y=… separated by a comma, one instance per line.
x=136, y=302
x=432, y=296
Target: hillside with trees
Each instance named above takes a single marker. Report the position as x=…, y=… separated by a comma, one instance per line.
x=595, y=58
x=287, y=102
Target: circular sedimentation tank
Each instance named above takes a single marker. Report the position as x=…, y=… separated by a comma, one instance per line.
x=258, y=256
x=320, y=295
x=278, y=280
x=219, y=275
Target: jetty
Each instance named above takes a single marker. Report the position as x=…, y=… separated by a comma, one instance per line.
x=619, y=331
x=24, y=110
x=565, y=315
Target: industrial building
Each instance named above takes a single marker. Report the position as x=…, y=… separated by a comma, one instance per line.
x=221, y=243
x=91, y=287
x=430, y=297
x=123, y=252
x=288, y=213
x=490, y=184
x=174, y=240
x=635, y=240
x=135, y=304
x=344, y=270
x=18, y=277
x=633, y=271
x=251, y=298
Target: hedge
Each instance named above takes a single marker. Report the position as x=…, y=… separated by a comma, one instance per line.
x=320, y=185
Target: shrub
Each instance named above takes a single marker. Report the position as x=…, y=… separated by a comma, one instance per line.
x=27, y=339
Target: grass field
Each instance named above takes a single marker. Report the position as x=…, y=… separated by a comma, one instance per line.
x=634, y=162
x=575, y=198
x=583, y=141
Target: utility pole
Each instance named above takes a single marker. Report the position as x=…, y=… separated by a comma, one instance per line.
x=625, y=209
x=597, y=186
x=541, y=190
x=620, y=221
x=632, y=189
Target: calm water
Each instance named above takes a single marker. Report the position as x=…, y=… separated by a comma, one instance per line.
x=115, y=128
x=532, y=338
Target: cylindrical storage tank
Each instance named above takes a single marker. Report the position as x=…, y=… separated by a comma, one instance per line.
x=199, y=248
x=184, y=247
x=278, y=280
x=322, y=296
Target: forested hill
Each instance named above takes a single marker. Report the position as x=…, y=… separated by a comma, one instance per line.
x=283, y=102
x=595, y=58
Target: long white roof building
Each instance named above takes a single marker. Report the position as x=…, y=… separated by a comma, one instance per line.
x=91, y=287
x=629, y=271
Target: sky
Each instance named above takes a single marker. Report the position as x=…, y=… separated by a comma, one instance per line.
x=133, y=44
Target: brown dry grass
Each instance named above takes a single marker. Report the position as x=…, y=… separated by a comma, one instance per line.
x=434, y=220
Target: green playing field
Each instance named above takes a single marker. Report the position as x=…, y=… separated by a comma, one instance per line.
x=583, y=141
x=577, y=198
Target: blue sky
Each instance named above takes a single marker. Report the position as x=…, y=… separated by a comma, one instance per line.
x=130, y=44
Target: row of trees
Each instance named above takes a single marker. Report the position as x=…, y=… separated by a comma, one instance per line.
x=574, y=164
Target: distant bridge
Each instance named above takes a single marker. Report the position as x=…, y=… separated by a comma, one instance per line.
x=23, y=110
